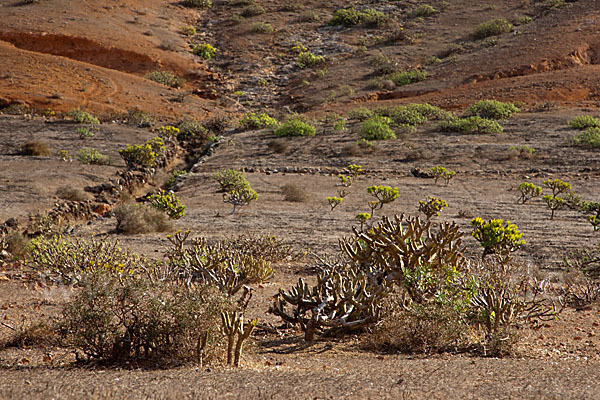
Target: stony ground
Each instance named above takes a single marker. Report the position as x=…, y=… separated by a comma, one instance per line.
x=549, y=64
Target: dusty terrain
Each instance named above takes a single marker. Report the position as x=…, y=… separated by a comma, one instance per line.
x=58, y=56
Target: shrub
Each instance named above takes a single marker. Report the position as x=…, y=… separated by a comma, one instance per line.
x=432, y=206
x=377, y=128
x=144, y=155
x=67, y=260
x=492, y=28
x=230, y=179
x=71, y=193
x=252, y=10
x=82, y=117
x=166, y=78
x=198, y=3
x=204, y=50
x=497, y=237
x=442, y=173
x=424, y=10
x=582, y=122
x=257, y=121
x=361, y=113
x=89, y=155
x=188, y=30
x=119, y=317
x=348, y=17
x=588, y=138
x=362, y=218
x=295, y=127
x=168, y=203
x=492, y=109
x=306, y=59
x=136, y=218
x=261, y=27
x=191, y=129
x=408, y=77
x=351, y=17
x=474, y=124
x=35, y=148
x=138, y=117
x=294, y=193
x=279, y=146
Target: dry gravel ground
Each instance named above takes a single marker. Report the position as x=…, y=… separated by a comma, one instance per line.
x=552, y=62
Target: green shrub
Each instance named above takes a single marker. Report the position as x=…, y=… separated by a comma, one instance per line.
x=168, y=203
x=588, y=138
x=554, y=201
x=351, y=17
x=492, y=109
x=407, y=77
x=474, y=124
x=361, y=113
x=582, y=122
x=295, y=127
x=89, y=155
x=82, y=117
x=348, y=17
x=230, y=179
x=138, y=117
x=383, y=194
x=166, y=78
x=191, y=129
x=67, y=260
x=204, y=50
x=252, y=10
x=261, y=27
x=306, y=59
x=334, y=201
x=497, y=237
x=144, y=155
x=424, y=10
x=257, y=121
x=377, y=128
x=492, y=28
x=188, y=30
x=198, y=3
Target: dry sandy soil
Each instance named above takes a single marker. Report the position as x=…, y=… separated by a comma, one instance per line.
x=58, y=56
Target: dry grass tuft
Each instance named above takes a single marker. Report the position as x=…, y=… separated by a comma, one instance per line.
x=71, y=193
x=294, y=193
x=135, y=218
x=36, y=148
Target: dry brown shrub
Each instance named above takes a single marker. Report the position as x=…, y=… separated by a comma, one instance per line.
x=134, y=218
x=294, y=193
x=418, y=328
x=71, y=193
x=36, y=148
x=39, y=334
x=16, y=243
x=279, y=146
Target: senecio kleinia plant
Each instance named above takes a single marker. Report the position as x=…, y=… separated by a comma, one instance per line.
x=239, y=197
x=582, y=122
x=497, y=237
x=432, y=206
x=334, y=201
x=528, y=192
x=377, y=127
x=167, y=203
x=362, y=218
x=306, y=59
x=442, y=173
x=553, y=201
x=493, y=109
x=383, y=194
